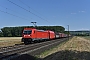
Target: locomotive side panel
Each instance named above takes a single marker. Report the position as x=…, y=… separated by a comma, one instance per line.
x=42, y=35
x=51, y=35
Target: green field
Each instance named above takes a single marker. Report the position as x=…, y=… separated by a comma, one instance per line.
x=87, y=37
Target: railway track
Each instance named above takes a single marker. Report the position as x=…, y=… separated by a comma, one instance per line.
x=11, y=52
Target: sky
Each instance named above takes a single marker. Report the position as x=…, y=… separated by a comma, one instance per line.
x=75, y=13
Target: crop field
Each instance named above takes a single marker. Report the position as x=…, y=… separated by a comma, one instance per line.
x=77, y=48
x=9, y=41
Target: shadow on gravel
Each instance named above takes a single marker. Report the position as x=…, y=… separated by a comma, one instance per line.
x=61, y=55
x=1, y=55
x=25, y=57
x=69, y=55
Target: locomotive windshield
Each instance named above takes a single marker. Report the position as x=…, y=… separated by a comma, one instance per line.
x=27, y=32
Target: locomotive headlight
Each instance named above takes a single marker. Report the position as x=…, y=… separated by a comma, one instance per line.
x=28, y=35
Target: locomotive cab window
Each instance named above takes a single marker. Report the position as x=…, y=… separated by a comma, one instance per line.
x=27, y=32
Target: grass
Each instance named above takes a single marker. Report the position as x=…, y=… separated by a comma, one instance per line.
x=75, y=44
x=87, y=37
x=9, y=41
x=50, y=51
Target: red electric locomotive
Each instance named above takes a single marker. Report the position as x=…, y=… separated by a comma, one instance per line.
x=31, y=35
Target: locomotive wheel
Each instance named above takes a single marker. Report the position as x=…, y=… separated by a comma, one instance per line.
x=39, y=41
x=25, y=42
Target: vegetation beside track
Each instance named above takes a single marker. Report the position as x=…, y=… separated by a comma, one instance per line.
x=87, y=37
x=77, y=48
x=51, y=50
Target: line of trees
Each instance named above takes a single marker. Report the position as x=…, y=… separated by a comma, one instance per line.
x=17, y=31
x=80, y=33
x=87, y=34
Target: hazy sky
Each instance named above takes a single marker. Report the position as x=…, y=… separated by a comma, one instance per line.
x=75, y=13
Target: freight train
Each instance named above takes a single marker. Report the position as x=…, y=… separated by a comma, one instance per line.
x=30, y=35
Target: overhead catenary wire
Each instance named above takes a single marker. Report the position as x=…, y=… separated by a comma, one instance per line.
x=12, y=14
x=28, y=11
x=13, y=11
x=29, y=7
x=24, y=4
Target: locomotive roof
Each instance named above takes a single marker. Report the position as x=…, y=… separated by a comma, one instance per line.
x=37, y=29
x=29, y=28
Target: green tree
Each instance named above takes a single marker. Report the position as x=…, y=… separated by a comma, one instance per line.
x=17, y=31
